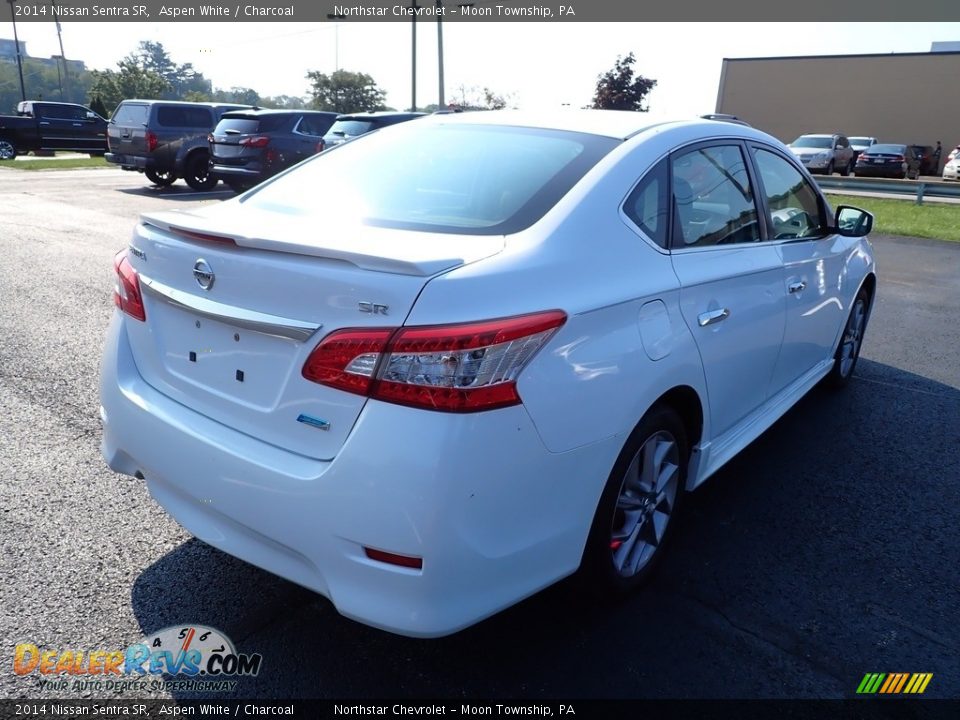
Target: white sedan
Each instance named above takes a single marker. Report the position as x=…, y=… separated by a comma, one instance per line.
x=436, y=369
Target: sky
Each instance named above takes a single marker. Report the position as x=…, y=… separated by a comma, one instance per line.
x=535, y=65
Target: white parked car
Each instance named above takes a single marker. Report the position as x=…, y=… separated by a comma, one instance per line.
x=951, y=171
x=434, y=370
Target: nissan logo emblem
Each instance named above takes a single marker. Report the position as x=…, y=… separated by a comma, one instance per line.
x=204, y=274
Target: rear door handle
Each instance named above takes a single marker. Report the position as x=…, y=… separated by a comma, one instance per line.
x=796, y=286
x=713, y=316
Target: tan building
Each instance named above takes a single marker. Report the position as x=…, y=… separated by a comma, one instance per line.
x=904, y=97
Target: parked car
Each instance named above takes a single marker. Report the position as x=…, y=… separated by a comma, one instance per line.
x=951, y=170
x=924, y=159
x=824, y=153
x=883, y=160
x=433, y=371
x=248, y=146
x=861, y=143
x=51, y=126
x=165, y=139
x=352, y=125
x=953, y=153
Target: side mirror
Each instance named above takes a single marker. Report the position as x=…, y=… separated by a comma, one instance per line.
x=852, y=222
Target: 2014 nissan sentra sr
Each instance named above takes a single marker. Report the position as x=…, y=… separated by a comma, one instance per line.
x=434, y=370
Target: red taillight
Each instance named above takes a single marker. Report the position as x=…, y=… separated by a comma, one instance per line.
x=320, y=146
x=151, y=138
x=899, y=158
x=406, y=561
x=261, y=141
x=126, y=293
x=452, y=368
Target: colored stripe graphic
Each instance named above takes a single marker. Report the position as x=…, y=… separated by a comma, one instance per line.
x=894, y=683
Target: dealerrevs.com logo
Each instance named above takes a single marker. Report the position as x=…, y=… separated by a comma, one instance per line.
x=191, y=657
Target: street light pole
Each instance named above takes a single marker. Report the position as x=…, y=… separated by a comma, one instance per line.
x=413, y=64
x=16, y=42
x=440, y=50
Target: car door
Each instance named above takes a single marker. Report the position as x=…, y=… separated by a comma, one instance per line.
x=59, y=125
x=731, y=279
x=813, y=265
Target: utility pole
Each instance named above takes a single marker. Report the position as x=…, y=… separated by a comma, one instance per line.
x=16, y=42
x=63, y=55
x=440, y=51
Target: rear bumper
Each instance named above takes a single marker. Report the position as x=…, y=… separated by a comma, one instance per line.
x=888, y=172
x=128, y=162
x=225, y=172
x=494, y=515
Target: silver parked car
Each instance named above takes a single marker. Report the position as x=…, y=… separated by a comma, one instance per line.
x=824, y=153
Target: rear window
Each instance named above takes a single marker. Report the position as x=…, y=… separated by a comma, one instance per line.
x=468, y=179
x=887, y=149
x=351, y=127
x=130, y=115
x=237, y=126
x=184, y=117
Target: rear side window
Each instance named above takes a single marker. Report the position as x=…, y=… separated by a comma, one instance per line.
x=184, y=117
x=648, y=206
x=314, y=125
x=131, y=114
x=795, y=209
x=466, y=179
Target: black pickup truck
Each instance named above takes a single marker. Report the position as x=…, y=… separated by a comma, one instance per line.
x=52, y=126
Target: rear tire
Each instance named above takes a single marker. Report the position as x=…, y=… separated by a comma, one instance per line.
x=198, y=175
x=638, y=507
x=7, y=150
x=160, y=178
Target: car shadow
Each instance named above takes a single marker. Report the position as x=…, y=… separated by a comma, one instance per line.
x=180, y=193
x=779, y=581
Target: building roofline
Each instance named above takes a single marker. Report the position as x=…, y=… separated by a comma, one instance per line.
x=936, y=53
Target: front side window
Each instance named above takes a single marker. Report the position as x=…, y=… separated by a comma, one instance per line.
x=712, y=198
x=795, y=209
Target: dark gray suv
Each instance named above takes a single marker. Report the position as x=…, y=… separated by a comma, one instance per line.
x=165, y=139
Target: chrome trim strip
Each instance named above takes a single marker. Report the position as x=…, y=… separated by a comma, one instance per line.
x=238, y=317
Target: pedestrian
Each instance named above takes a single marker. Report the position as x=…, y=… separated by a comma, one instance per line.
x=936, y=158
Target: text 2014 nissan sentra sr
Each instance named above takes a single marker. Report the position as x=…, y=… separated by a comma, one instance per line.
x=436, y=369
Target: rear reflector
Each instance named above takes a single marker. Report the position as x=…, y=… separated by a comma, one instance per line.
x=151, y=139
x=451, y=368
x=393, y=559
x=126, y=293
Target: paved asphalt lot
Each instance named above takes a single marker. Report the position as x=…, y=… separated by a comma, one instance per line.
x=826, y=550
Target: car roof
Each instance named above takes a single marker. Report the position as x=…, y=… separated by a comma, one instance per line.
x=618, y=124
x=261, y=112
x=236, y=106
x=378, y=114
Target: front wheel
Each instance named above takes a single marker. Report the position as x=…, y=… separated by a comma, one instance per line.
x=639, y=504
x=848, y=351
x=198, y=175
x=7, y=150
x=161, y=178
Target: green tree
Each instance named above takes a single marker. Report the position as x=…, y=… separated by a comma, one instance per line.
x=284, y=102
x=129, y=81
x=474, y=98
x=98, y=107
x=619, y=89
x=344, y=92
x=181, y=79
x=239, y=95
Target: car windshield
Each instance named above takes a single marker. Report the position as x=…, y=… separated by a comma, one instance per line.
x=887, y=150
x=860, y=141
x=237, y=126
x=470, y=179
x=813, y=141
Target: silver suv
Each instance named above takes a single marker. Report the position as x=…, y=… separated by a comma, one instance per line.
x=824, y=153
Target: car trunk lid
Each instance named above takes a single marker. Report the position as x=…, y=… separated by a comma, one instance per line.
x=235, y=303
